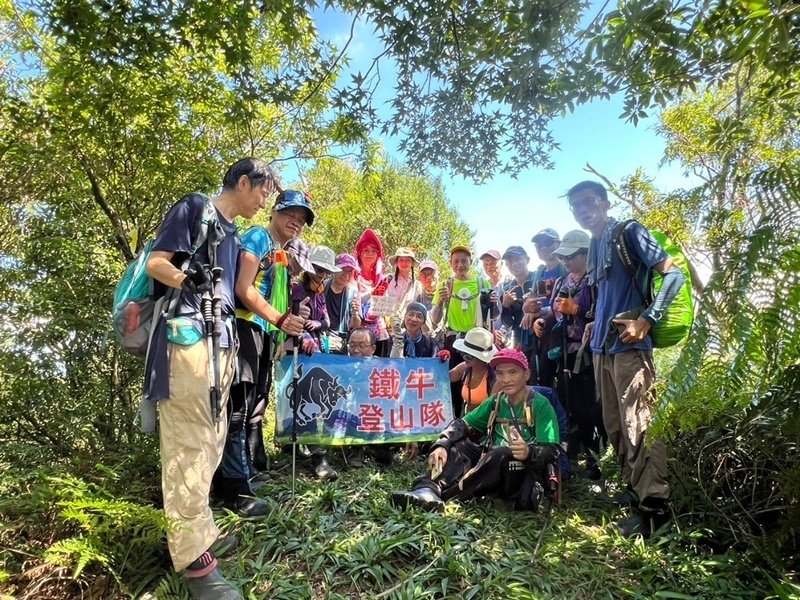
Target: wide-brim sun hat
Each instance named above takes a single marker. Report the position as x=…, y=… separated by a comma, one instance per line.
x=478, y=342
x=400, y=253
x=324, y=258
x=574, y=241
x=301, y=253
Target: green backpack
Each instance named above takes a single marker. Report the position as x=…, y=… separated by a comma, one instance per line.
x=676, y=323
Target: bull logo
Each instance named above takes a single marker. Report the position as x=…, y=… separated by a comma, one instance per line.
x=317, y=394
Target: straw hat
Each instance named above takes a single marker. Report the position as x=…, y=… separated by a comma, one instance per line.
x=478, y=343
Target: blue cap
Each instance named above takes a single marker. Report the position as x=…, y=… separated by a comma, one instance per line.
x=549, y=234
x=419, y=307
x=291, y=199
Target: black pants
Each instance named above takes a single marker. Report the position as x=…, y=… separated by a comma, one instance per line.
x=543, y=370
x=468, y=474
x=455, y=386
x=583, y=408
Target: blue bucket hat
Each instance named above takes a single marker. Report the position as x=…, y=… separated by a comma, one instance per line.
x=292, y=199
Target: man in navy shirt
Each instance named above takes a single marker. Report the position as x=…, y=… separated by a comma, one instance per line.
x=177, y=372
x=537, y=305
x=623, y=350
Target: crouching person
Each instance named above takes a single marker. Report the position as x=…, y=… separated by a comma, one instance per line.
x=519, y=433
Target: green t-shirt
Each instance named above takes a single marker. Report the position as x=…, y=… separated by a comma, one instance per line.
x=465, y=292
x=544, y=424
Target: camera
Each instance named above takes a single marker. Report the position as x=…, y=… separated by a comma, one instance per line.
x=486, y=300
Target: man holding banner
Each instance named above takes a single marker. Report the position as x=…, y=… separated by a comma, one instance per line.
x=520, y=433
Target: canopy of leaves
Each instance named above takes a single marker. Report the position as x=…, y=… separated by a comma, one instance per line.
x=404, y=208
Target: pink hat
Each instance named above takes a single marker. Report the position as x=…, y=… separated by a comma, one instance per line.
x=428, y=264
x=347, y=261
x=509, y=355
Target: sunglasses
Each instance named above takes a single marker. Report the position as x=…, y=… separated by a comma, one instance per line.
x=466, y=357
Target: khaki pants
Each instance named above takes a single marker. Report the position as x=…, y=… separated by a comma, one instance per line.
x=191, y=449
x=625, y=381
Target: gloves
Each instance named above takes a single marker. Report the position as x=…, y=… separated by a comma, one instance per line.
x=443, y=355
x=197, y=280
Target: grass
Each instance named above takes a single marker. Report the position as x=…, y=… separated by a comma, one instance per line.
x=343, y=540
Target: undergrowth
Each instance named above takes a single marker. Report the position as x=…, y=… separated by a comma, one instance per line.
x=343, y=540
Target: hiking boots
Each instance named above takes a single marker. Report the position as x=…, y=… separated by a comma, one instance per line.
x=647, y=518
x=247, y=507
x=322, y=468
x=625, y=497
x=592, y=473
x=212, y=587
x=355, y=457
x=382, y=455
x=225, y=545
x=424, y=498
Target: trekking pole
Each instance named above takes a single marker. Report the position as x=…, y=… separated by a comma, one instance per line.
x=296, y=382
x=216, y=304
x=546, y=524
x=207, y=308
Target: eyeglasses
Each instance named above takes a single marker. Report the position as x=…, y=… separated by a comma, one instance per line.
x=356, y=346
x=584, y=203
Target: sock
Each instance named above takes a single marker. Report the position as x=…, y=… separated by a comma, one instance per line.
x=202, y=566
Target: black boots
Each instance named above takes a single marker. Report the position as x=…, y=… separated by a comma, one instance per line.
x=424, y=498
x=648, y=517
x=322, y=468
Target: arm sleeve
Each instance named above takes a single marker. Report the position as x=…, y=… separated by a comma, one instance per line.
x=673, y=279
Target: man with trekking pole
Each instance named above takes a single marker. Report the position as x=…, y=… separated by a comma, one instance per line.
x=191, y=379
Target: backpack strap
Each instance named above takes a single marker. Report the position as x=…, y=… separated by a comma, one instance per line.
x=618, y=238
x=208, y=229
x=629, y=262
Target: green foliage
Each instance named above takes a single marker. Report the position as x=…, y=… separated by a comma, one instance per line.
x=475, y=83
x=344, y=541
x=84, y=527
x=656, y=51
x=404, y=208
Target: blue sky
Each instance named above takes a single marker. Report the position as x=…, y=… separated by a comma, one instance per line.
x=506, y=211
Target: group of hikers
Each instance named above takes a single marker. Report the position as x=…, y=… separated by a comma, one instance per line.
x=546, y=365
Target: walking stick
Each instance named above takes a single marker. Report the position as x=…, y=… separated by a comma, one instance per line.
x=211, y=306
x=295, y=386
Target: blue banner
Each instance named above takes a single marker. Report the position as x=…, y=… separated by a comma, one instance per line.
x=345, y=400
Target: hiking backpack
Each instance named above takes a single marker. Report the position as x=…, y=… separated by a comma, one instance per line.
x=136, y=297
x=677, y=321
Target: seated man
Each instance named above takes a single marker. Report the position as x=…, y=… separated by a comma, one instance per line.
x=520, y=433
